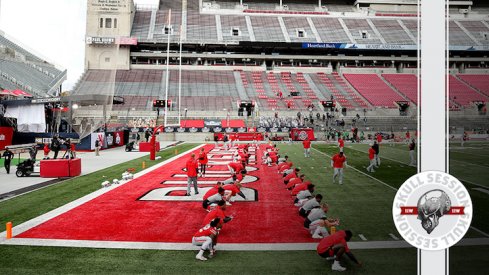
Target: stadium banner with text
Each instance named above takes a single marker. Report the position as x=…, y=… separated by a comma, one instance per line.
x=126, y=41
x=6, y=135
x=384, y=47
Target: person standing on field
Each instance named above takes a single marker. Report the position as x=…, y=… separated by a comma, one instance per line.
x=338, y=162
x=192, y=168
x=307, y=147
x=371, y=157
x=412, y=153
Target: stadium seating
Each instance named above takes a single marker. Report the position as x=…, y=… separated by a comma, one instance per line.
x=357, y=27
x=162, y=21
x=140, y=27
x=228, y=23
x=330, y=30
x=480, y=82
x=267, y=28
x=201, y=27
x=476, y=28
x=334, y=85
x=462, y=94
x=374, y=89
x=407, y=84
x=392, y=32
x=458, y=37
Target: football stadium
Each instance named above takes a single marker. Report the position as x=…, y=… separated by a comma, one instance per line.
x=235, y=137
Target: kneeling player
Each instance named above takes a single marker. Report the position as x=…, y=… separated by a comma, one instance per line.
x=212, y=196
x=309, y=205
x=334, y=246
x=319, y=228
x=304, y=196
x=218, y=213
x=206, y=238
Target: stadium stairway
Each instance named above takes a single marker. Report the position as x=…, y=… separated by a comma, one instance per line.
x=240, y=87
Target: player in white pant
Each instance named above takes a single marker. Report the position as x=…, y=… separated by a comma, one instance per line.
x=319, y=228
x=206, y=238
x=338, y=162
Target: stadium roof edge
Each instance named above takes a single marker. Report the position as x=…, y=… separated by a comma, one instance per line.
x=30, y=50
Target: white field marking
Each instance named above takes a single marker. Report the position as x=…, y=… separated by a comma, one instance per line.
x=351, y=167
x=221, y=246
x=213, y=175
x=480, y=231
x=382, y=157
x=362, y=237
x=393, y=236
x=184, y=182
x=481, y=190
x=473, y=183
x=160, y=194
x=218, y=172
x=69, y=206
x=469, y=163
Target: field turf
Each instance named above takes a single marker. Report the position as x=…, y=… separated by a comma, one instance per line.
x=363, y=204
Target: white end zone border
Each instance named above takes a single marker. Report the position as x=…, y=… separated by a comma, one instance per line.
x=69, y=206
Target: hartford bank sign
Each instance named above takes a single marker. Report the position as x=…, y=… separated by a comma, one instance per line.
x=384, y=47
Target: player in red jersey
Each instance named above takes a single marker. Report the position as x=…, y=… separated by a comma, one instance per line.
x=379, y=138
x=334, y=246
x=307, y=147
x=203, y=160
x=218, y=212
x=295, y=181
x=192, y=169
x=341, y=143
x=231, y=190
x=292, y=175
x=371, y=157
x=212, y=196
x=236, y=167
x=338, y=162
x=300, y=187
x=206, y=238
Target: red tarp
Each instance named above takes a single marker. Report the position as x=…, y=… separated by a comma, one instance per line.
x=233, y=123
x=20, y=93
x=192, y=123
x=6, y=134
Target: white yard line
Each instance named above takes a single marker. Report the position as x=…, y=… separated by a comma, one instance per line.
x=69, y=206
x=470, y=163
x=480, y=231
x=351, y=167
x=221, y=246
x=481, y=190
x=393, y=236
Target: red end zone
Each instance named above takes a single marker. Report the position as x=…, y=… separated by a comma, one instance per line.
x=118, y=215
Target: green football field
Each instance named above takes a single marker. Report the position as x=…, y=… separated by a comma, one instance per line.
x=363, y=204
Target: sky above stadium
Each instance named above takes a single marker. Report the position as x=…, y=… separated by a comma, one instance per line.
x=52, y=29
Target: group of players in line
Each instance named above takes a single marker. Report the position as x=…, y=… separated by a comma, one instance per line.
x=216, y=199
x=332, y=245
